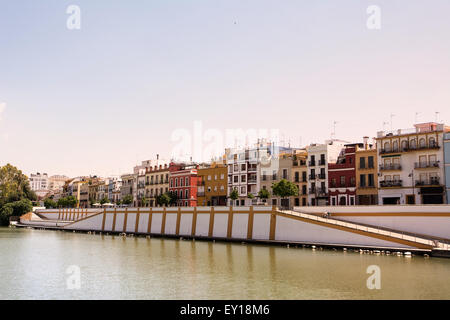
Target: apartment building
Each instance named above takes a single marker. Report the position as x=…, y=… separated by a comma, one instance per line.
x=411, y=165
x=447, y=164
x=39, y=184
x=366, y=174
x=342, y=177
x=113, y=186
x=57, y=182
x=128, y=187
x=319, y=155
x=212, y=185
x=244, y=171
x=183, y=181
x=278, y=167
x=156, y=182
x=300, y=177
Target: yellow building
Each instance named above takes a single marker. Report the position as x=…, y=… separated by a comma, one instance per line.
x=299, y=177
x=156, y=183
x=366, y=175
x=212, y=190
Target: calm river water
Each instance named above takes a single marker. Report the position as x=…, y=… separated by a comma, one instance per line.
x=34, y=265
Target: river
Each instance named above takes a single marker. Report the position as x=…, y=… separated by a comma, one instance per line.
x=38, y=264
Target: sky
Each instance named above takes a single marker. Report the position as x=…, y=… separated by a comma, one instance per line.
x=138, y=75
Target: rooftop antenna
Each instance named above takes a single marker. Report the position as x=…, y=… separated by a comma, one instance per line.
x=333, y=134
x=436, y=116
x=392, y=115
x=384, y=125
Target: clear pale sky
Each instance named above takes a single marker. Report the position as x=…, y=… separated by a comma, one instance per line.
x=99, y=99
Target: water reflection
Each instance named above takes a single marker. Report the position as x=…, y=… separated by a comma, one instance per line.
x=33, y=265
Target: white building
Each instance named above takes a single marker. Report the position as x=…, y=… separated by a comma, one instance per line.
x=57, y=182
x=411, y=165
x=39, y=181
x=243, y=168
x=319, y=155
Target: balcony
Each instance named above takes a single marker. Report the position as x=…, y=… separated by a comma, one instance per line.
x=391, y=183
x=366, y=167
x=252, y=180
x=312, y=163
x=365, y=186
x=424, y=165
x=428, y=182
x=312, y=176
x=252, y=169
x=321, y=176
x=322, y=192
x=312, y=190
x=390, y=166
x=322, y=162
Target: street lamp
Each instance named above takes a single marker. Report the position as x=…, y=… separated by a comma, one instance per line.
x=411, y=175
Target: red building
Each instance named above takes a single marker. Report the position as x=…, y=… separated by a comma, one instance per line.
x=183, y=180
x=342, y=177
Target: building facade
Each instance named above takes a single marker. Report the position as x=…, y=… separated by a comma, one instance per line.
x=411, y=165
x=183, y=182
x=156, y=182
x=366, y=175
x=300, y=177
x=39, y=184
x=212, y=185
x=319, y=155
x=244, y=171
x=447, y=164
x=342, y=177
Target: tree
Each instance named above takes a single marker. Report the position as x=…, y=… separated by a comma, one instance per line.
x=104, y=200
x=173, y=198
x=16, y=208
x=234, y=195
x=163, y=199
x=49, y=203
x=14, y=185
x=128, y=199
x=15, y=193
x=263, y=194
x=284, y=189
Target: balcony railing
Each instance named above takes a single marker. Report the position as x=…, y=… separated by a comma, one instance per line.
x=252, y=180
x=321, y=176
x=312, y=163
x=410, y=148
x=322, y=162
x=390, y=166
x=322, y=192
x=428, y=182
x=366, y=167
x=390, y=183
x=430, y=164
x=312, y=190
x=312, y=176
x=365, y=186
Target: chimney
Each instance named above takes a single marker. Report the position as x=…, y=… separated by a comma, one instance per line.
x=157, y=156
x=365, y=139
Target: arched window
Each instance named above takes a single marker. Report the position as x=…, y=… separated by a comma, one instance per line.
x=181, y=182
x=176, y=182
x=171, y=183
x=422, y=143
x=432, y=142
x=387, y=146
x=395, y=146
x=187, y=193
x=412, y=144
x=404, y=145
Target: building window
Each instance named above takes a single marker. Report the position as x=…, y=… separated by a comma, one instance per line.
x=422, y=143
x=176, y=182
x=243, y=178
x=222, y=176
x=235, y=179
x=342, y=181
x=362, y=180
x=370, y=162
x=186, y=194
x=242, y=190
x=371, y=180
x=209, y=177
x=387, y=146
x=187, y=181
x=362, y=163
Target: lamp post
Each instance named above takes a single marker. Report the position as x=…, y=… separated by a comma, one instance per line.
x=411, y=175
